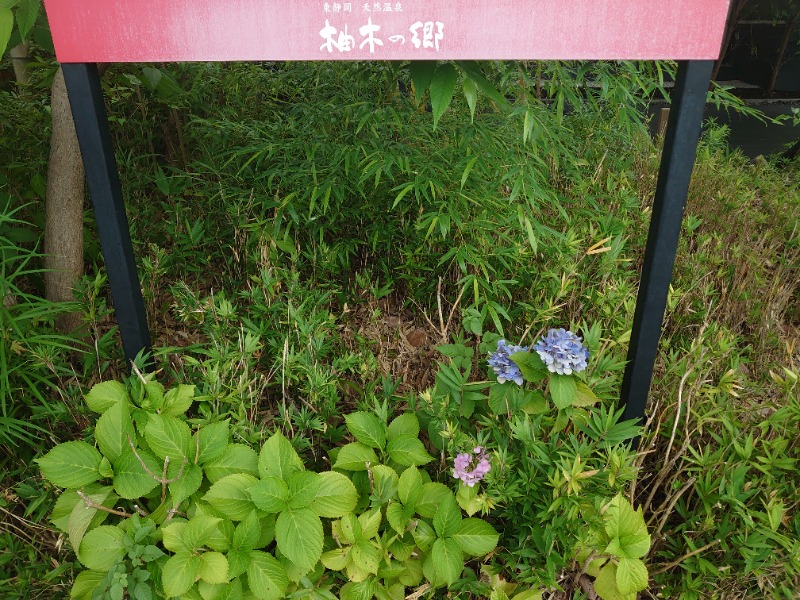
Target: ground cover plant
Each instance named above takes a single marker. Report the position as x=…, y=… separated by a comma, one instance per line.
x=319, y=260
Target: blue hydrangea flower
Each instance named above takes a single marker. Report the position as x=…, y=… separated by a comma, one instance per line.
x=562, y=351
x=505, y=368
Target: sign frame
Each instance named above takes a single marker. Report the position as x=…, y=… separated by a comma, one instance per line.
x=678, y=156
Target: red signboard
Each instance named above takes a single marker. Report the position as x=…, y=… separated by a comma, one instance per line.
x=225, y=30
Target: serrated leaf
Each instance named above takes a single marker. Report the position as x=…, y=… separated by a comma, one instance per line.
x=248, y=532
x=235, y=458
x=105, y=394
x=168, y=437
x=443, y=85
x=238, y=561
x=63, y=508
x=366, y=557
x=605, y=584
x=585, y=396
x=211, y=441
x=367, y=429
x=408, y=451
x=409, y=488
x=336, y=496
x=530, y=365
x=131, y=481
x=385, y=484
x=229, y=495
x=467, y=498
x=631, y=575
x=354, y=457
x=270, y=494
x=267, y=577
x=84, y=585
x=396, y=517
x=476, y=537
x=303, y=488
x=627, y=526
x=278, y=458
x=423, y=535
x=430, y=498
x=445, y=562
x=174, y=539
x=199, y=530
x=370, y=522
x=421, y=74
x=563, y=390
x=299, y=536
x=114, y=429
x=405, y=424
x=179, y=574
x=82, y=515
x=213, y=567
x=188, y=483
x=178, y=400
x=336, y=559
x=102, y=548
x=447, y=518
x=71, y=465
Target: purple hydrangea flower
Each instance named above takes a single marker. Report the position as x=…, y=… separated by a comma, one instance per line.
x=501, y=363
x=471, y=467
x=562, y=351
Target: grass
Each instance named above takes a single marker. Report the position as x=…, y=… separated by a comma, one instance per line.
x=305, y=246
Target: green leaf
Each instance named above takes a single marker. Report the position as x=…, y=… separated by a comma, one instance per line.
x=530, y=365
x=563, y=390
x=179, y=574
x=267, y=577
x=369, y=522
x=421, y=75
x=605, y=584
x=114, y=429
x=303, y=488
x=187, y=484
x=71, y=465
x=299, y=536
x=367, y=429
x=473, y=71
x=408, y=451
x=585, y=396
x=366, y=557
x=238, y=561
x=410, y=486
x=432, y=495
x=627, y=527
x=84, y=585
x=235, y=459
x=361, y=590
x=178, y=400
x=354, y=457
x=63, y=508
x=443, y=86
x=248, y=532
x=131, y=481
x=212, y=440
x=174, y=539
x=81, y=515
x=396, y=517
x=467, y=498
x=199, y=530
x=270, y=494
x=385, y=484
x=476, y=537
x=105, y=394
x=213, y=567
x=445, y=562
x=471, y=94
x=632, y=575
x=230, y=497
x=405, y=424
x=168, y=436
x=6, y=27
x=423, y=535
x=278, y=458
x=102, y=548
x=27, y=11
x=336, y=559
x=447, y=517
x=336, y=496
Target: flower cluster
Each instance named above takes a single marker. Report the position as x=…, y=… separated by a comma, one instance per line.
x=478, y=462
x=562, y=351
x=505, y=368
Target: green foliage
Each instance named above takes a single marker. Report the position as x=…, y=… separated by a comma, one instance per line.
x=150, y=514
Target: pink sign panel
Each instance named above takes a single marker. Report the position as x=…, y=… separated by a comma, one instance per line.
x=225, y=30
